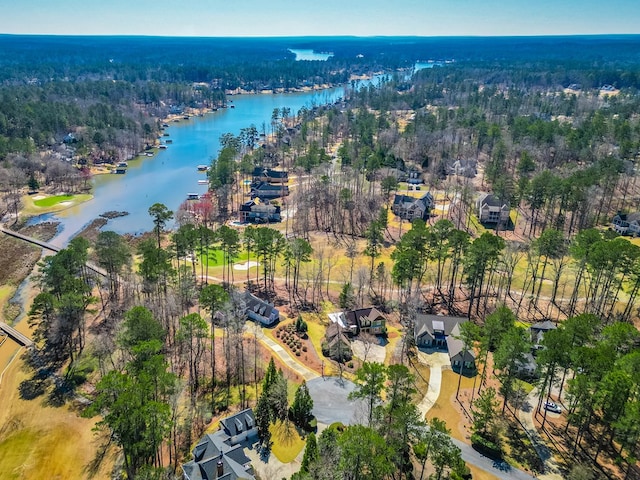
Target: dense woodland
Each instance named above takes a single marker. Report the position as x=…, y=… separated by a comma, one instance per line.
x=167, y=350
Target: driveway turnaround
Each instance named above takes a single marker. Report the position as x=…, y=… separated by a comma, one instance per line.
x=331, y=403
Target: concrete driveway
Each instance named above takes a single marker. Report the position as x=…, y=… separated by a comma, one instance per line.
x=331, y=403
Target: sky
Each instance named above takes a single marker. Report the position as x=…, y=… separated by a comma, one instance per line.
x=215, y=18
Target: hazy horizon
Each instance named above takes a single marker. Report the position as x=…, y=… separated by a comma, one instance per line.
x=284, y=18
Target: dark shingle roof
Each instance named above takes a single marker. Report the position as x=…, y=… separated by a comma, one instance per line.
x=429, y=323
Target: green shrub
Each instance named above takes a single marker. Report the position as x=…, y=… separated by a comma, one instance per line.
x=486, y=446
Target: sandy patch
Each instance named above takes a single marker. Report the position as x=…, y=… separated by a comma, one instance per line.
x=65, y=204
x=245, y=266
x=376, y=353
x=39, y=197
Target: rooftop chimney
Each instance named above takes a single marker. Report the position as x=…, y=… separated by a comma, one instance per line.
x=220, y=469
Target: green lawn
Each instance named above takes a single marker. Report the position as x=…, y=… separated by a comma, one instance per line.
x=287, y=443
x=51, y=201
x=215, y=257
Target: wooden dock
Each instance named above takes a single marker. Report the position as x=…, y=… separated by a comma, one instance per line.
x=16, y=336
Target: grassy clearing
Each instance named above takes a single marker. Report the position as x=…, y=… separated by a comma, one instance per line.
x=6, y=292
x=34, y=439
x=287, y=443
x=54, y=203
x=526, y=386
x=51, y=201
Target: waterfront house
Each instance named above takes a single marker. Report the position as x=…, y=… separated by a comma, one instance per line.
x=260, y=310
x=255, y=211
x=442, y=332
x=410, y=208
x=491, y=209
x=220, y=455
x=265, y=191
x=262, y=174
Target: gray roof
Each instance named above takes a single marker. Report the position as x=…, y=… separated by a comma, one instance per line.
x=267, y=172
x=426, y=200
x=238, y=423
x=455, y=346
x=213, y=448
x=545, y=326
x=490, y=200
x=258, y=306
x=629, y=217
x=428, y=324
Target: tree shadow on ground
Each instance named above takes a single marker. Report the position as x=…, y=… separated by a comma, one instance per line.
x=521, y=449
x=32, y=388
x=93, y=467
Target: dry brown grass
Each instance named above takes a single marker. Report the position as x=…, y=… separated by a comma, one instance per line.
x=448, y=409
x=40, y=441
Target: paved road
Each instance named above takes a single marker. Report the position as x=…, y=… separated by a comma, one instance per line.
x=331, y=403
x=436, y=361
x=476, y=459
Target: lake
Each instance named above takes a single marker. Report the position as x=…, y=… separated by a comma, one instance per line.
x=171, y=174
x=304, y=54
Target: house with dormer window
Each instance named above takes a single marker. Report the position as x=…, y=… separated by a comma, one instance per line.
x=443, y=332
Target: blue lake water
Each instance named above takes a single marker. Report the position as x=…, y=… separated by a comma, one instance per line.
x=304, y=54
x=172, y=173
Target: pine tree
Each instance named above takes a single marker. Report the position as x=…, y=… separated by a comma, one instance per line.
x=310, y=453
x=263, y=418
x=300, y=411
x=301, y=325
x=270, y=377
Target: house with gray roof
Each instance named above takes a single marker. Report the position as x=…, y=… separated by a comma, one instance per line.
x=365, y=320
x=220, y=455
x=263, y=174
x=265, y=191
x=410, y=208
x=260, y=310
x=537, y=331
x=442, y=332
x=259, y=212
x=627, y=223
x=491, y=209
